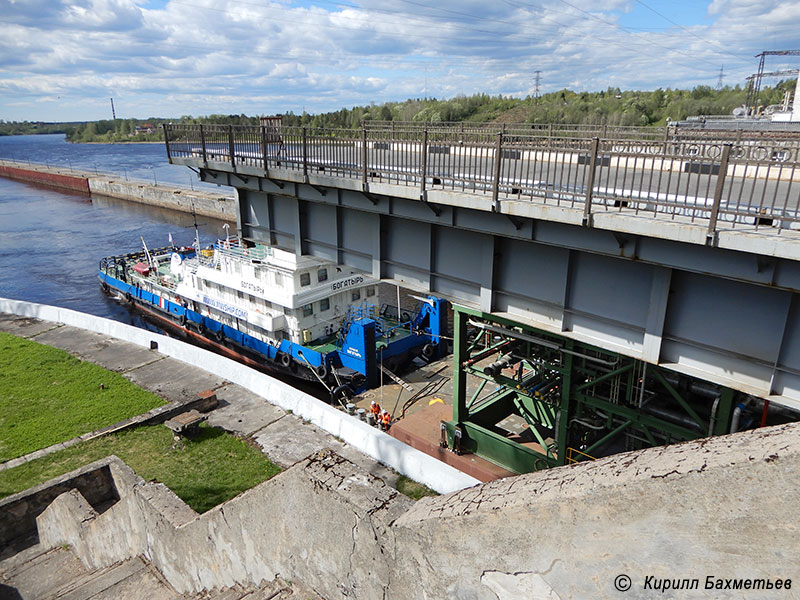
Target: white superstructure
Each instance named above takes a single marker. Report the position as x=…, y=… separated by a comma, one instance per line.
x=269, y=293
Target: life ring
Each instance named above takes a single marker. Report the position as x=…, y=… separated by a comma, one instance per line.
x=286, y=359
x=321, y=371
x=218, y=335
x=428, y=350
x=201, y=328
x=344, y=391
x=405, y=317
x=182, y=320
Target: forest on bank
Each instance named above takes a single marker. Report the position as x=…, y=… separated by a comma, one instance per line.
x=609, y=107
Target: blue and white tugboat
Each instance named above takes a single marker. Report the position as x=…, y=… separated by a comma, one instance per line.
x=302, y=316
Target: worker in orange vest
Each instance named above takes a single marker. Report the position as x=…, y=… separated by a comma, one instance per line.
x=375, y=409
x=386, y=420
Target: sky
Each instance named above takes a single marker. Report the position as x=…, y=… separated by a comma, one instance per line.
x=63, y=60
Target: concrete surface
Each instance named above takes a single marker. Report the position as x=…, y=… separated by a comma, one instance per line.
x=721, y=507
x=324, y=517
x=56, y=574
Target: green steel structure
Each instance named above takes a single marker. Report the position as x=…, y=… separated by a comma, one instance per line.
x=577, y=401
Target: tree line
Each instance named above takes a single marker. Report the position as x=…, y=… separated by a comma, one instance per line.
x=608, y=107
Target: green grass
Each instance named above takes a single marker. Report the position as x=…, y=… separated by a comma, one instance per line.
x=48, y=396
x=204, y=472
x=413, y=489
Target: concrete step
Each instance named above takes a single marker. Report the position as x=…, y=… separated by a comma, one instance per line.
x=35, y=574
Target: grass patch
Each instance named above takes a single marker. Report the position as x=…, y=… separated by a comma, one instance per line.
x=207, y=470
x=413, y=489
x=48, y=396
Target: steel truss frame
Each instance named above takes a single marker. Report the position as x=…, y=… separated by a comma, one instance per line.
x=579, y=401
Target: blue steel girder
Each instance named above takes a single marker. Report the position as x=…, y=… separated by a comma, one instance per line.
x=648, y=290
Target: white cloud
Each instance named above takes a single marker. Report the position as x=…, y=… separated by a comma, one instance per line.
x=262, y=56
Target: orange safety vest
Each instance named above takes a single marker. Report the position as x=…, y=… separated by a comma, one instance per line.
x=376, y=409
x=387, y=418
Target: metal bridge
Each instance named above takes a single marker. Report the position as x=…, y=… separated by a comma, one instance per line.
x=636, y=288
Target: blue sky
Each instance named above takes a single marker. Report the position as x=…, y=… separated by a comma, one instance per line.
x=63, y=60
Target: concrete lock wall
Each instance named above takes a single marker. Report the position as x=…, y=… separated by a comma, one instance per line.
x=369, y=440
x=207, y=204
x=723, y=508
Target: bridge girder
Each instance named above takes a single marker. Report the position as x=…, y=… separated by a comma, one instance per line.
x=723, y=315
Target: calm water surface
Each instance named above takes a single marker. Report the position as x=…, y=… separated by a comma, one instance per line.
x=52, y=241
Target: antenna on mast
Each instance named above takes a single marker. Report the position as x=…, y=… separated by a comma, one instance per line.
x=196, y=232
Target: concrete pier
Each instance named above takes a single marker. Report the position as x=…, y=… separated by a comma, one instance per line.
x=216, y=205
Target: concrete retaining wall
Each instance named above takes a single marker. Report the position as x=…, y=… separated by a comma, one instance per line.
x=18, y=512
x=723, y=508
x=322, y=521
x=218, y=206
x=369, y=440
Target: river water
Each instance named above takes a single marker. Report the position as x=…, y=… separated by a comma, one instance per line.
x=51, y=241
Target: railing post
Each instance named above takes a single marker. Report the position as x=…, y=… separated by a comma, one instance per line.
x=264, y=155
x=498, y=162
x=364, y=155
x=203, y=144
x=230, y=147
x=587, y=206
x=723, y=172
x=423, y=193
x=305, y=154
x=165, y=126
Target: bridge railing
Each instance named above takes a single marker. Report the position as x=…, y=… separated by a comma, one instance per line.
x=752, y=182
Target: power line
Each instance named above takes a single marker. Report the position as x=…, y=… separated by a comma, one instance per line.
x=689, y=31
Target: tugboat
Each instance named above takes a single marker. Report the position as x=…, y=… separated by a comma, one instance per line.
x=301, y=316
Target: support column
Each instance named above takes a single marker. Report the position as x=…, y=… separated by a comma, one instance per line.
x=657, y=312
x=460, y=411
x=562, y=426
x=487, y=274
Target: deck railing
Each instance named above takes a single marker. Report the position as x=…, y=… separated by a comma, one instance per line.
x=719, y=179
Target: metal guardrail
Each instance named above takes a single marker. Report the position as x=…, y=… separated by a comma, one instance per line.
x=708, y=179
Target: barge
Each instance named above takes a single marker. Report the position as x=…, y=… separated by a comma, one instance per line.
x=304, y=317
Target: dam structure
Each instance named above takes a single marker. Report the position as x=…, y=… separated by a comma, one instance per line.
x=614, y=289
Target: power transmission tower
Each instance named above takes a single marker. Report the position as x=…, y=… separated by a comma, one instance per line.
x=719, y=79
x=113, y=112
x=536, y=82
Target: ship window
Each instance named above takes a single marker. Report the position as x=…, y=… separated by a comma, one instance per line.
x=308, y=310
x=305, y=278
x=324, y=304
x=322, y=275
x=356, y=295
x=370, y=291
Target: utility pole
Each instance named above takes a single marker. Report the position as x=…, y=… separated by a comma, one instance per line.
x=113, y=112
x=536, y=82
x=719, y=79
